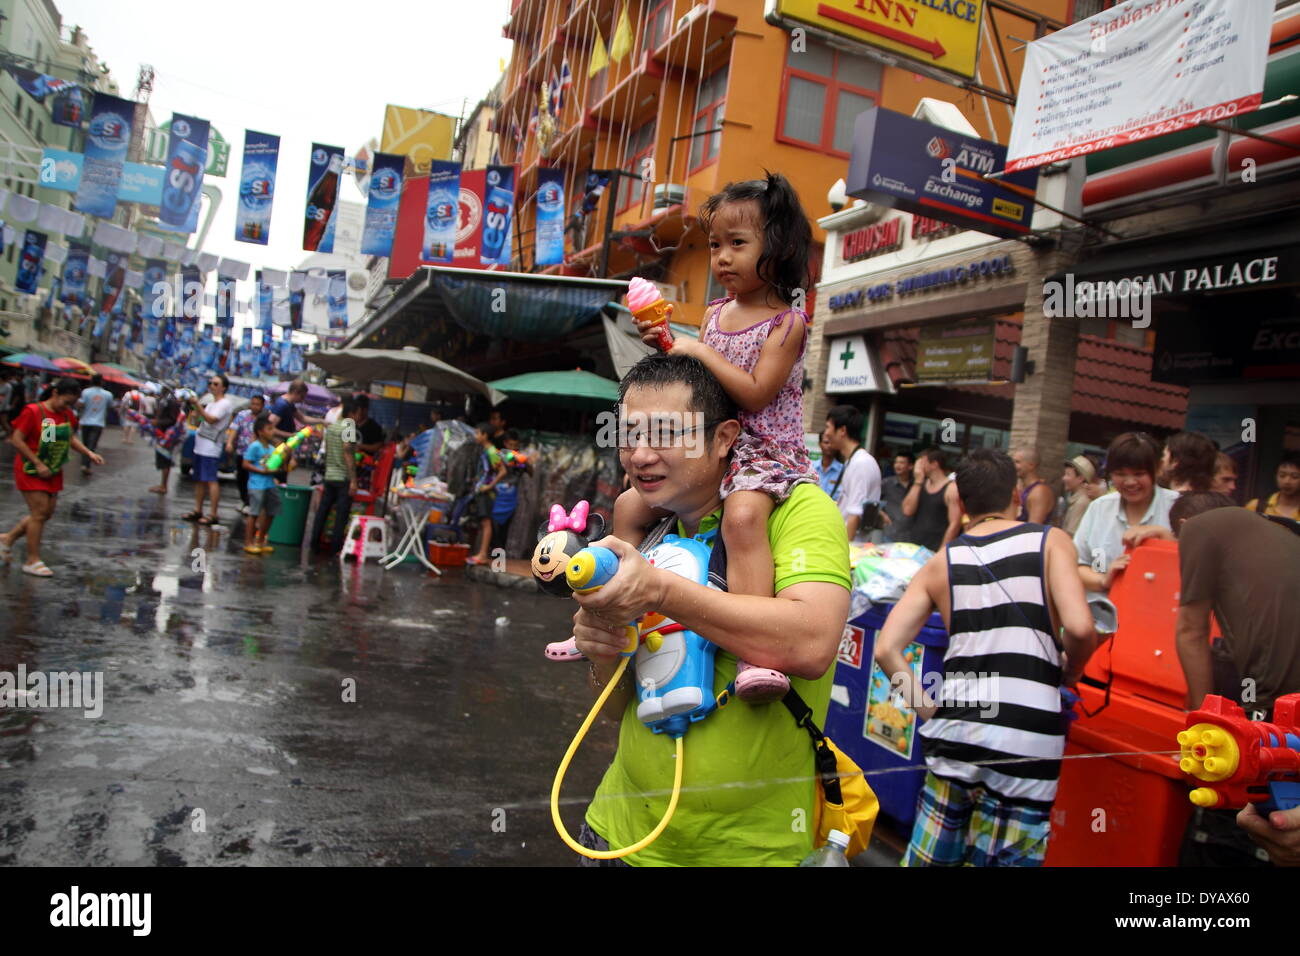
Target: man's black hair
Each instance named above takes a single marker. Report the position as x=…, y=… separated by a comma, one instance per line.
x=349, y=406
x=1193, y=503
x=848, y=417
x=905, y=454
x=937, y=455
x=67, y=386
x=261, y=422
x=662, y=371
x=362, y=400
x=510, y=435
x=1291, y=458
x=225, y=382
x=986, y=479
x=787, y=237
x=484, y=427
x=96, y=381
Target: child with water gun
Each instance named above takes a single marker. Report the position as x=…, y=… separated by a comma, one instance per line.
x=262, y=459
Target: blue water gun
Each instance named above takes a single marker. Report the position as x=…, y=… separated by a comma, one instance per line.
x=674, y=665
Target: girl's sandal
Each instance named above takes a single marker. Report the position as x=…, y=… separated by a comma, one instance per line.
x=192, y=516
x=38, y=570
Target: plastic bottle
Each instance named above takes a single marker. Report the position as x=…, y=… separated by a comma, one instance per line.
x=832, y=854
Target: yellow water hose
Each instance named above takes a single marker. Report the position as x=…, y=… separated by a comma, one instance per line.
x=653, y=835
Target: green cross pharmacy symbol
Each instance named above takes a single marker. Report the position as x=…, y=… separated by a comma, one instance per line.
x=847, y=355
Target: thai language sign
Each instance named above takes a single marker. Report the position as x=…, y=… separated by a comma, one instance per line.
x=1141, y=69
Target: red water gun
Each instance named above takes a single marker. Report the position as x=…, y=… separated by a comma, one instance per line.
x=1243, y=761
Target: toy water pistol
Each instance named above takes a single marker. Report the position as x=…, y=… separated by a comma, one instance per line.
x=282, y=450
x=647, y=305
x=514, y=459
x=1242, y=761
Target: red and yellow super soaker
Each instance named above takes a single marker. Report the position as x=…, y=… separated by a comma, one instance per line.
x=1243, y=761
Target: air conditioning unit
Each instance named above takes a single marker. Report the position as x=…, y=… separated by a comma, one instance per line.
x=691, y=15
x=669, y=194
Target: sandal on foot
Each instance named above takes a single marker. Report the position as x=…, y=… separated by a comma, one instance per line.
x=758, y=685
x=473, y=559
x=38, y=570
x=252, y=549
x=565, y=651
x=266, y=549
x=192, y=516
x=208, y=521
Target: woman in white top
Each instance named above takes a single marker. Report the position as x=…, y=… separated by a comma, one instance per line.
x=1132, y=462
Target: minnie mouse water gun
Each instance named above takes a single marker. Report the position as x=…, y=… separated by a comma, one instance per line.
x=282, y=450
x=674, y=665
x=1240, y=761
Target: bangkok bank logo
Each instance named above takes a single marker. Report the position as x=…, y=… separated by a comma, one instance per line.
x=938, y=148
x=108, y=131
x=471, y=215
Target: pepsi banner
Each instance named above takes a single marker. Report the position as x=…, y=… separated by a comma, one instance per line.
x=187, y=154
x=549, y=248
x=37, y=85
x=257, y=187
x=225, y=302
x=265, y=305
x=152, y=335
x=205, y=353
x=192, y=292
x=498, y=210
x=336, y=298
x=442, y=212
x=286, y=355
x=381, y=204
x=106, y=144
x=153, y=297
x=74, y=271
x=265, y=356
x=322, y=196
x=114, y=278
x=29, y=261
x=296, y=299
x=69, y=108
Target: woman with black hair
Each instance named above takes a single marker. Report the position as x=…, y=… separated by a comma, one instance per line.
x=44, y=436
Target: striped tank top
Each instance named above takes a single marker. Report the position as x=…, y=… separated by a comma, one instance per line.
x=1000, y=698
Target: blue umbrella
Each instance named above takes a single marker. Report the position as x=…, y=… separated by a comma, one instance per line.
x=33, y=361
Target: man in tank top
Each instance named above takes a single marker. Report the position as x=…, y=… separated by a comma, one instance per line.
x=995, y=737
x=934, y=511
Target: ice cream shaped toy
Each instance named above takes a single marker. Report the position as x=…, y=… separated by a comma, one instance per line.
x=647, y=305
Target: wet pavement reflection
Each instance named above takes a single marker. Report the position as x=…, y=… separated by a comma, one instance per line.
x=226, y=737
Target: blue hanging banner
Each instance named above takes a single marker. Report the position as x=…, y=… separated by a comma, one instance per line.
x=29, y=261
x=154, y=294
x=265, y=359
x=498, y=210
x=74, y=271
x=69, y=108
x=265, y=305
x=257, y=187
x=441, y=212
x=152, y=335
x=322, y=196
x=225, y=302
x=549, y=248
x=191, y=302
x=107, y=140
x=286, y=354
x=336, y=298
x=296, y=300
x=381, y=204
x=187, y=154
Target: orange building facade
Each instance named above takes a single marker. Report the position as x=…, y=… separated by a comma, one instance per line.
x=707, y=93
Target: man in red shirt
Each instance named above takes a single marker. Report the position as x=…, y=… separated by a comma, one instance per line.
x=45, y=433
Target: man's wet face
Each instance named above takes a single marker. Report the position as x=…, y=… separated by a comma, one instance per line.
x=664, y=450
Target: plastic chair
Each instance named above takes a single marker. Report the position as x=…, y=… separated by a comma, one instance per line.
x=360, y=541
x=377, y=493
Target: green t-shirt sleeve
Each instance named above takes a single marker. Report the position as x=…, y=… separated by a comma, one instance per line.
x=809, y=540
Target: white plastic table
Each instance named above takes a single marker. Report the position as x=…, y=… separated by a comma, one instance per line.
x=413, y=509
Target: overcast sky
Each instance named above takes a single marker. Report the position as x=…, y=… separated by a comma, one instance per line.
x=307, y=70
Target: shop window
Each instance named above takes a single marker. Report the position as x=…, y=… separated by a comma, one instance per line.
x=710, y=102
x=40, y=131
x=18, y=103
x=640, y=146
x=822, y=92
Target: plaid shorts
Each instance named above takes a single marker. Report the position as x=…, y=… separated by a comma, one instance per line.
x=960, y=825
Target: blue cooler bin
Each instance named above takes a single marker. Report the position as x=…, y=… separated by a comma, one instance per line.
x=888, y=740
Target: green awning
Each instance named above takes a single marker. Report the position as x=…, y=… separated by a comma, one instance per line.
x=572, y=388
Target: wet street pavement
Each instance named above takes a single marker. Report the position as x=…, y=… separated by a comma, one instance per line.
x=225, y=737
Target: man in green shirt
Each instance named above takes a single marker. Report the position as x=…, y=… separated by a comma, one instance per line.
x=749, y=791
x=340, y=476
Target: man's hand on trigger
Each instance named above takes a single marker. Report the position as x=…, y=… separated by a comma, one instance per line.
x=635, y=590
